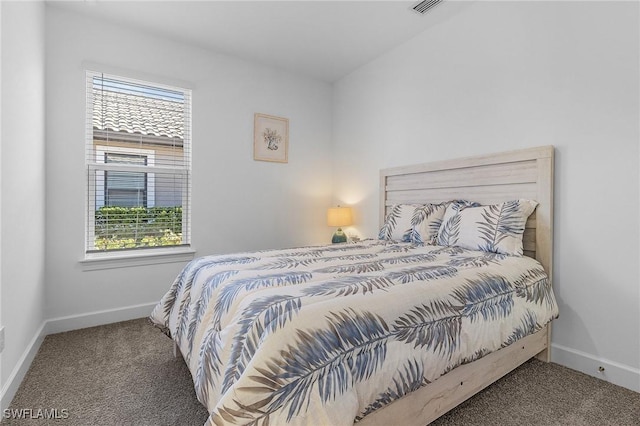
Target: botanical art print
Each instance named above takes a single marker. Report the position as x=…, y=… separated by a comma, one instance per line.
x=270, y=138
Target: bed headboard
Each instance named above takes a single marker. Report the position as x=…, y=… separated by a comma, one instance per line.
x=487, y=179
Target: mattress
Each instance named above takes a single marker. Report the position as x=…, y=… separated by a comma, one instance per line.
x=328, y=334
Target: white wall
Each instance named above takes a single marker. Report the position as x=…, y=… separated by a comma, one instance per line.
x=238, y=203
x=507, y=75
x=22, y=183
x=1, y=381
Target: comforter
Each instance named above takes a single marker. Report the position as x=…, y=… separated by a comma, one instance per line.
x=326, y=335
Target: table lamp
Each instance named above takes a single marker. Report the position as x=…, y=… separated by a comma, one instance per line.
x=339, y=216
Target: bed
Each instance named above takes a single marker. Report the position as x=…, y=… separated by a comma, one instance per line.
x=376, y=332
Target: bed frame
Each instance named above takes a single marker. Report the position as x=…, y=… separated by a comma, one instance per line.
x=486, y=179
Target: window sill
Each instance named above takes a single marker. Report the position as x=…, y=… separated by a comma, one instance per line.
x=98, y=261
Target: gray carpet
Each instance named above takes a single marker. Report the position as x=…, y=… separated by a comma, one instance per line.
x=125, y=374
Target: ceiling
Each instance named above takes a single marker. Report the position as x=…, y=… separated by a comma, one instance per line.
x=323, y=39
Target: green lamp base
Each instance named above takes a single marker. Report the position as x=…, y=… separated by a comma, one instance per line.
x=339, y=237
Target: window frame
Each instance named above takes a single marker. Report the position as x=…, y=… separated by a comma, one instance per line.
x=104, y=259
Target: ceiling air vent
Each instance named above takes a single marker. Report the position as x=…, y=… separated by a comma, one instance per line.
x=424, y=6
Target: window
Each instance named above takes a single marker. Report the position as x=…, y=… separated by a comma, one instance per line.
x=124, y=189
x=128, y=189
x=138, y=165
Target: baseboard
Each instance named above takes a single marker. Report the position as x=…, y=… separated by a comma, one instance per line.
x=614, y=372
x=93, y=319
x=20, y=370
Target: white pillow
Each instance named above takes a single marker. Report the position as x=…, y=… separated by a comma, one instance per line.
x=496, y=228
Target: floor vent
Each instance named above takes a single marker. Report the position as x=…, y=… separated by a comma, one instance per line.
x=424, y=6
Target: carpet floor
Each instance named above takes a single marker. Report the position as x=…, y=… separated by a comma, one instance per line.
x=125, y=374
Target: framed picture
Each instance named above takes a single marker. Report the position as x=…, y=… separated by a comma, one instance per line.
x=270, y=138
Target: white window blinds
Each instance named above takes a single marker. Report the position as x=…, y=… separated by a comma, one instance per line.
x=138, y=156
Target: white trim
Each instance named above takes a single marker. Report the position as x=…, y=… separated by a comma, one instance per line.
x=138, y=257
x=89, y=202
x=186, y=188
x=614, y=372
x=96, y=318
x=119, y=149
x=135, y=168
x=136, y=76
x=93, y=173
x=22, y=366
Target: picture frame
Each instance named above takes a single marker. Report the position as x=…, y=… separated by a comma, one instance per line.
x=270, y=138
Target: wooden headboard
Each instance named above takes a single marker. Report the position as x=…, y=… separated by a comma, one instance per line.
x=487, y=179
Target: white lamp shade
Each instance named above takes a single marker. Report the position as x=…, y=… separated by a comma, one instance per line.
x=339, y=216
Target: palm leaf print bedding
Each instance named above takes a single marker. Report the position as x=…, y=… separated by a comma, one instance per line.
x=326, y=335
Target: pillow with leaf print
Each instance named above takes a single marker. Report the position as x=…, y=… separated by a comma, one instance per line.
x=426, y=222
x=496, y=228
x=412, y=223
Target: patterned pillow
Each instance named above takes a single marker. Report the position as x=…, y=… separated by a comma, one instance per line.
x=413, y=223
x=496, y=228
x=426, y=222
